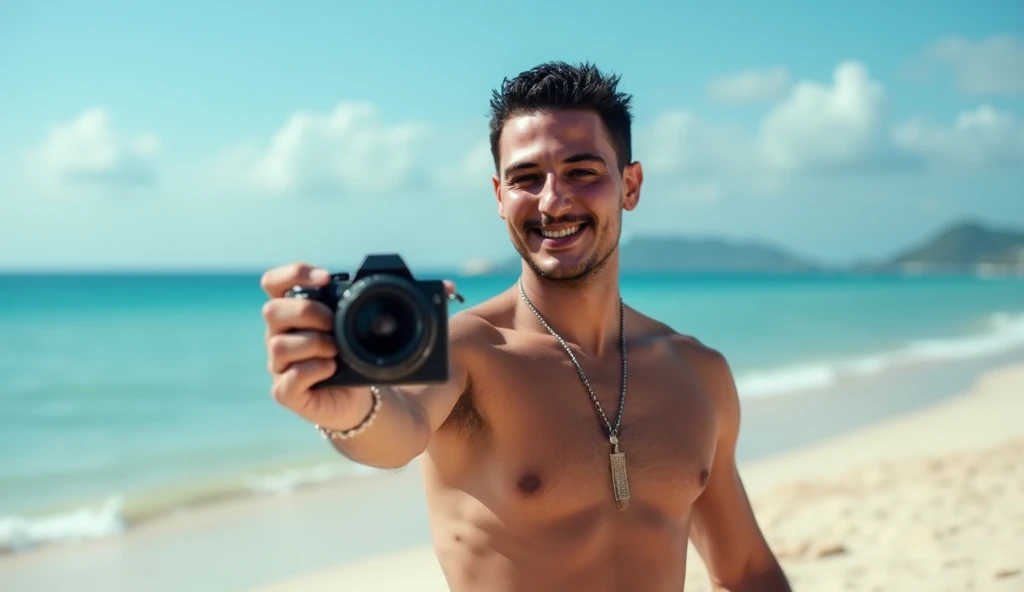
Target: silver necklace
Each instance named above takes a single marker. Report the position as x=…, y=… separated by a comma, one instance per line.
x=617, y=459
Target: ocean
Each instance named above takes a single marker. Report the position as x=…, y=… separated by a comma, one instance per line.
x=128, y=396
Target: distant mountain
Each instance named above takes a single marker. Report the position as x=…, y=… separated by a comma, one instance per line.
x=678, y=254
x=965, y=247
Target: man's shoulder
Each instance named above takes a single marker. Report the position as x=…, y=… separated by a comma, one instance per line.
x=694, y=358
x=692, y=349
x=707, y=372
x=468, y=329
x=684, y=348
x=711, y=369
x=480, y=324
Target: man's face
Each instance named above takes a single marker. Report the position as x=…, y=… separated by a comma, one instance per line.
x=560, y=192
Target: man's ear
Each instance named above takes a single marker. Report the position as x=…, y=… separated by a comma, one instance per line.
x=632, y=179
x=497, y=195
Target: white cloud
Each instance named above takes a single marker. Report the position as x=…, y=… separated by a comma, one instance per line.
x=980, y=139
x=704, y=155
x=88, y=151
x=473, y=171
x=841, y=125
x=818, y=127
x=347, y=150
x=680, y=142
x=822, y=127
x=478, y=162
x=750, y=86
x=994, y=65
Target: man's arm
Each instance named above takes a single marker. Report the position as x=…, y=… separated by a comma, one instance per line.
x=409, y=415
x=723, y=527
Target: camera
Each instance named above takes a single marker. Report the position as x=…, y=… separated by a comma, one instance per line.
x=390, y=328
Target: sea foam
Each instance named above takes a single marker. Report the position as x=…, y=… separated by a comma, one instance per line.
x=19, y=533
x=1002, y=332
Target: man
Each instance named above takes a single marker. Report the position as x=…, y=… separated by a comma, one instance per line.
x=555, y=459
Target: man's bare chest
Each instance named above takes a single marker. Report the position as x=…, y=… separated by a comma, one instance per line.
x=548, y=442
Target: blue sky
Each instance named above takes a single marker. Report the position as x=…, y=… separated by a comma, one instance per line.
x=231, y=135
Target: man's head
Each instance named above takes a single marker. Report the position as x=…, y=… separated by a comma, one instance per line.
x=561, y=141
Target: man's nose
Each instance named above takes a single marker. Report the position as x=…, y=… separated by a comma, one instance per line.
x=554, y=198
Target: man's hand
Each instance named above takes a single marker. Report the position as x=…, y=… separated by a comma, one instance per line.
x=301, y=352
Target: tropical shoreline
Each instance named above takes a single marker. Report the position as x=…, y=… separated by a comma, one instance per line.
x=930, y=500
x=257, y=540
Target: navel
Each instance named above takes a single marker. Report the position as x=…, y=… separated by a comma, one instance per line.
x=704, y=476
x=529, y=483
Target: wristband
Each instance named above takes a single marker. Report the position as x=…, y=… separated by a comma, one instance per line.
x=328, y=434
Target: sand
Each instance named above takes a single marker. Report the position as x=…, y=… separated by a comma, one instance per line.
x=932, y=501
x=929, y=501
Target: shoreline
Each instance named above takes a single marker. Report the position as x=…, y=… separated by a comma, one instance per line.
x=118, y=513
x=795, y=492
x=767, y=430
x=770, y=395
x=285, y=538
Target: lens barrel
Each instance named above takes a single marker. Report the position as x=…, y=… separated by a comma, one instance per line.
x=384, y=327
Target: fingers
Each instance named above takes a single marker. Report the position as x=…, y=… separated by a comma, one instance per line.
x=300, y=348
x=290, y=314
x=292, y=387
x=288, y=348
x=449, y=287
x=279, y=280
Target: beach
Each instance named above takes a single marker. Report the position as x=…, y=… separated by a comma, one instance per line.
x=144, y=463
x=931, y=500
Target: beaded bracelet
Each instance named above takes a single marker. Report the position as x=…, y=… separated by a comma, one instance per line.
x=327, y=433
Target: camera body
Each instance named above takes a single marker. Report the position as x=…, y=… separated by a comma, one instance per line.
x=390, y=328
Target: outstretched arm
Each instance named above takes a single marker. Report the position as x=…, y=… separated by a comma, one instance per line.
x=410, y=414
x=301, y=352
x=723, y=527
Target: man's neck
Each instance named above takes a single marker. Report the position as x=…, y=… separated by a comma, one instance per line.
x=585, y=314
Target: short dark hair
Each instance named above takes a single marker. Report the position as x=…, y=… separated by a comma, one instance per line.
x=560, y=86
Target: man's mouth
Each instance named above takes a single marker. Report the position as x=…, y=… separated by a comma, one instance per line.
x=560, y=232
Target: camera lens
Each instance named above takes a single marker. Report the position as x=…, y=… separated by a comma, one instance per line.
x=385, y=327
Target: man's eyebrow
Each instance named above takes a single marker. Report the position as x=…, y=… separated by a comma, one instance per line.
x=584, y=157
x=575, y=158
x=518, y=167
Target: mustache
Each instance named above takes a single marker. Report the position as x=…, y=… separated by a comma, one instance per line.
x=548, y=220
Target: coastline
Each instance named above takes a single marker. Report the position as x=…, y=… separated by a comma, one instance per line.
x=895, y=503
x=840, y=392
x=74, y=479
x=300, y=541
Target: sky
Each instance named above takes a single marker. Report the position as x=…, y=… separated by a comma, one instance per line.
x=230, y=135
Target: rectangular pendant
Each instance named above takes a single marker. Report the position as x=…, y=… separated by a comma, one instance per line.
x=620, y=483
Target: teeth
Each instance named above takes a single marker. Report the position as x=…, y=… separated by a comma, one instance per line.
x=560, y=233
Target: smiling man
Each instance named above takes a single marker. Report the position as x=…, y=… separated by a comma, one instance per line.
x=579, y=443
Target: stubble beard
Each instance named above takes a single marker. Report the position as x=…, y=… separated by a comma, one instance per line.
x=587, y=272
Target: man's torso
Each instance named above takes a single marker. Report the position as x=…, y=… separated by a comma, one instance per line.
x=518, y=479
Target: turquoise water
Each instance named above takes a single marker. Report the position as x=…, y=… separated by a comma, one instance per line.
x=138, y=388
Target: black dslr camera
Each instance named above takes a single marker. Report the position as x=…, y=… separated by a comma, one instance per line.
x=389, y=327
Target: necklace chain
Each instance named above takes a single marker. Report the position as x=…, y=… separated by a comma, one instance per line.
x=613, y=432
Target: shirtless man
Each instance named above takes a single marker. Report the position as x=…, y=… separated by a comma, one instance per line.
x=516, y=454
